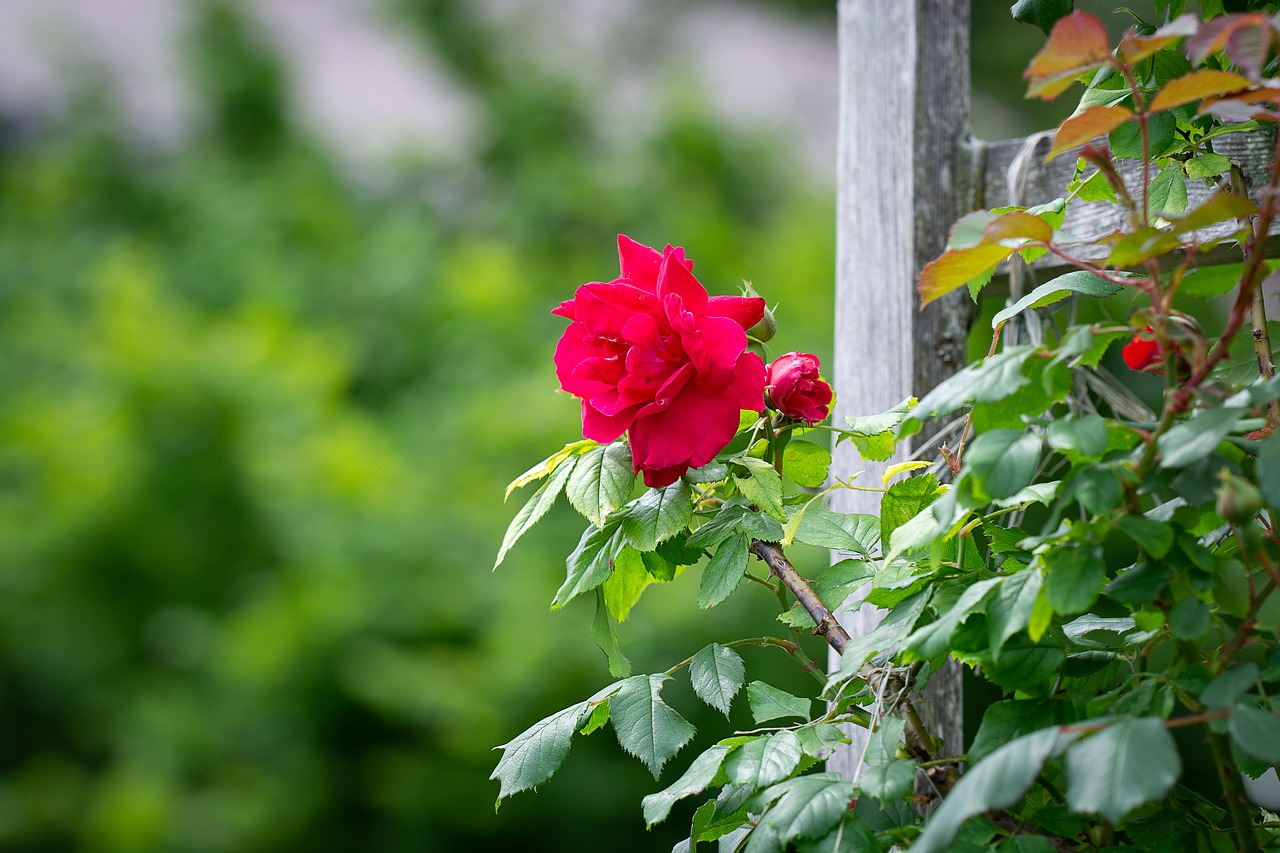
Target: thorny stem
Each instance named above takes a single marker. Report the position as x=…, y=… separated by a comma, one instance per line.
x=1258, y=311
x=785, y=645
x=1233, y=790
x=1140, y=113
x=1250, y=280
x=918, y=741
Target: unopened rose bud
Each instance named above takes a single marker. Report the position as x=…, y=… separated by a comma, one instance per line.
x=765, y=329
x=794, y=388
x=1238, y=499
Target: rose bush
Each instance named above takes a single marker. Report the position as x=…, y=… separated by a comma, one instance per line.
x=1105, y=575
x=796, y=389
x=650, y=354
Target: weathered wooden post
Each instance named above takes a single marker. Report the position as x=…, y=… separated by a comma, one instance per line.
x=907, y=169
x=905, y=173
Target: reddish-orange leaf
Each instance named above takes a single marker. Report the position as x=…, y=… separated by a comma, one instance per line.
x=1017, y=225
x=1094, y=121
x=1213, y=35
x=956, y=268
x=1219, y=207
x=1077, y=43
x=1196, y=86
x=1134, y=48
x=1140, y=245
x=1247, y=47
x=1243, y=108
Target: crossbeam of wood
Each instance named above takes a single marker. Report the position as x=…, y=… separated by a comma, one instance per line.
x=907, y=169
x=1043, y=182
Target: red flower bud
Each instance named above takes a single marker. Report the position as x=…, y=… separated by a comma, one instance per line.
x=796, y=390
x=1142, y=352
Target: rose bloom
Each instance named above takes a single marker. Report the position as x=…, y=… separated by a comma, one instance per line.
x=796, y=390
x=650, y=354
x=1141, y=352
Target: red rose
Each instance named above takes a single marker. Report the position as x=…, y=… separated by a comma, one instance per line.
x=1142, y=352
x=651, y=354
x=796, y=390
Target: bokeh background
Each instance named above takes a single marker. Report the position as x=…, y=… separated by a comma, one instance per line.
x=275, y=281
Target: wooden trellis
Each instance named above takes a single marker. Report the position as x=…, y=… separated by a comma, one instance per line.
x=908, y=168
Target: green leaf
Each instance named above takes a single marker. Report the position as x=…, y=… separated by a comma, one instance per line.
x=624, y=585
x=904, y=500
x=717, y=674
x=805, y=463
x=770, y=703
x=734, y=516
x=882, y=745
x=701, y=773
x=873, y=434
x=1025, y=664
x=997, y=782
x=717, y=818
x=590, y=562
x=1208, y=282
x=1126, y=140
x=765, y=760
x=548, y=465
x=1152, y=537
x=1009, y=611
x=647, y=727
x=1121, y=767
x=1073, y=578
x=1167, y=194
x=887, y=782
x=1268, y=471
x=657, y=515
x=850, y=835
x=841, y=580
x=1207, y=166
x=606, y=638
x=1224, y=690
x=821, y=741
x=535, y=508
x=855, y=532
x=1002, y=462
x=762, y=485
x=1055, y=291
x=535, y=754
x=1042, y=13
x=1189, y=619
x=989, y=381
x=1256, y=732
x=1192, y=440
x=1007, y=720
x=804, y=807
x=1085, y=434
x=892, y=630
x=724, y=571
x=934, y=638
x=601, y=482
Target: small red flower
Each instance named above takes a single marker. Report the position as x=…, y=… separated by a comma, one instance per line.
x=1142, y=352
x=796, y=390
x=652, y=355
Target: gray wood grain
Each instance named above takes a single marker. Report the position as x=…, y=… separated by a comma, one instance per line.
x=1047, y=181
x=906, y=171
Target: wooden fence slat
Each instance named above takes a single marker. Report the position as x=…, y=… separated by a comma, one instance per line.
x=905, y=174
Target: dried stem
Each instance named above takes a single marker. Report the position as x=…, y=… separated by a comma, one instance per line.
x=918, y=741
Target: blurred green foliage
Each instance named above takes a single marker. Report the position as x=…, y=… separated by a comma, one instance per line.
x=255, y=424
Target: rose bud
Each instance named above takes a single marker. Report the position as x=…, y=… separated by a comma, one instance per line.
x=1142, y=352
x=765, y=329
x=794, y=388
x=1238, y=499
